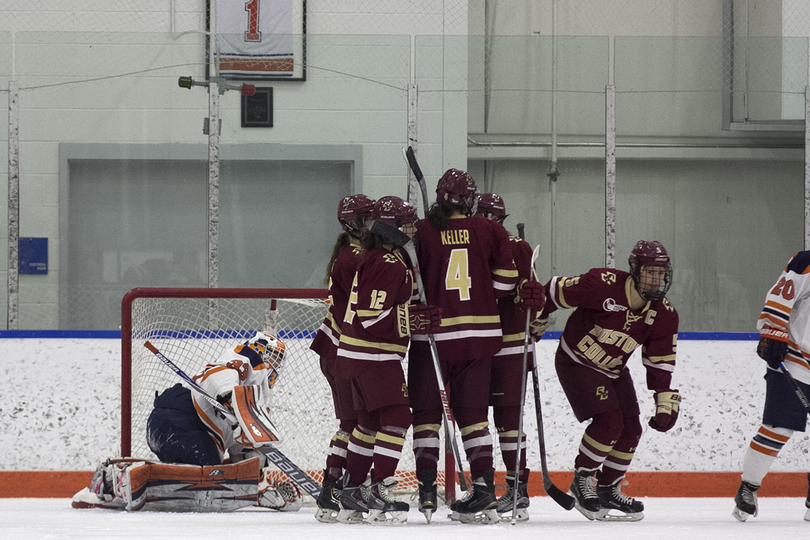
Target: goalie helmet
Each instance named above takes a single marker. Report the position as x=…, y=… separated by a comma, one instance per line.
x=651, y=285
x=458, y=188
x=354, y=211
x=491, y=206
x=272, y=350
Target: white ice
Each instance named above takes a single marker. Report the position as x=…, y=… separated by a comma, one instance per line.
x=669, y=519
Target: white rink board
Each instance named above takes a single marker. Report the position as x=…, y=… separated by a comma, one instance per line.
x=59, y=409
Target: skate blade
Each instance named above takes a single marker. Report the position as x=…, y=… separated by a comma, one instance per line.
x=484, y=517
x=428, y=512
x=807, y=514
x=591, y=515
x=521, y=515
x=739, y=515
x=605, y=515
x=379, y=517
x=327, y=515
x=350, y=516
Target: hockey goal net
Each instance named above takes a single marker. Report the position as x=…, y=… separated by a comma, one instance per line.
x=192, y=326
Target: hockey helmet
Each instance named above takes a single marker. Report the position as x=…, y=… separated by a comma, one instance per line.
x=272, y=351
x=650, y=255
x=394, y=211
x=458, y=188
x=354, y=211
x=491, y=206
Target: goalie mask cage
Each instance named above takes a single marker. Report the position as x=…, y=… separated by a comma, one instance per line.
x=193, y=326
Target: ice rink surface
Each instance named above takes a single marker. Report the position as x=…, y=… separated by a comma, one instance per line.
x=675, y=519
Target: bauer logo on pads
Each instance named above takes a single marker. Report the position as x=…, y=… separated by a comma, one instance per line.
x=253, y=417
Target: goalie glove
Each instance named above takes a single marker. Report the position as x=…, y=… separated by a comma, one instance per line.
x=773, y=346
x=667, y=403
x=418, y=319
x=531, y=294
x=278, y=494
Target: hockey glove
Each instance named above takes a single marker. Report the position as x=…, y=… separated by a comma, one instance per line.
x=531, y=294
x=667, y=403
x=537, y=327
x=773, y=346
x=418, y=319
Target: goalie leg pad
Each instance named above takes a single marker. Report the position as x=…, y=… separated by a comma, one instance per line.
x=191, y=488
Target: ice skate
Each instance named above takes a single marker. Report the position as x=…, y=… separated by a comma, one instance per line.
x=329, y=500
x=745, y=501
x=506, y=501
x=583, y=489
x=382, y=506
x=428, y=500
x=353, y=502
x=479, y=504
x=612, y=500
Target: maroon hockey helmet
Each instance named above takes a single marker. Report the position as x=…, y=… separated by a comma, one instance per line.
x=458, y=188
x=491, y=206
x=650, y=254
x=354, y=211
x=393, y=211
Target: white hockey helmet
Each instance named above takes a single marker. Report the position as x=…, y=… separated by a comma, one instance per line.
x=272, y=351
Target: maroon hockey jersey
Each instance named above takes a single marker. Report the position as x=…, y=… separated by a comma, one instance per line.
x=513, y=316
x=603, y=331
x=340, y=283
x=383, y=281
x=465, y=269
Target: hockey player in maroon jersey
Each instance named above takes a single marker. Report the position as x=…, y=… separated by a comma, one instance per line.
x=507, y=368
x=466, y=265
x=784, y=342
x=353, y=214
x=616, y=312
x=377, y=326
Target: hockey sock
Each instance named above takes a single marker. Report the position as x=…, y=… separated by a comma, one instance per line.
x=426, y=446
x=618, y=459
x=360, y=454
x=474, y=428
x=336, y=460
x=395, y=421
x=506, y=423
x=598, y=439
x=762, y=452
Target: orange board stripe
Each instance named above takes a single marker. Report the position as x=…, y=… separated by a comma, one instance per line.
x=64, y=484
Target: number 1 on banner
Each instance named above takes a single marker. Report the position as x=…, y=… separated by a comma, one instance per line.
x=252, y=33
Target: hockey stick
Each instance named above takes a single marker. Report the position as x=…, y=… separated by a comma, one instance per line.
x=410, y=157
x=399, y=238
x=278, y=459
x=795, y=386
x=521, y=451
x=558, y=495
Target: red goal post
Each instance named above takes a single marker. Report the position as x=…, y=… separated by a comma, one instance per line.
x=192, y=326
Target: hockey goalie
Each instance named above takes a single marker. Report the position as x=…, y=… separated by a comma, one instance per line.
x=208, y=456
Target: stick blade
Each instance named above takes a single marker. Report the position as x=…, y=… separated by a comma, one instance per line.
x=389, y=232
x=558, y=496
x=411, y=157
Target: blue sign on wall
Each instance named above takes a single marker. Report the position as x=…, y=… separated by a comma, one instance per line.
x=33, y=255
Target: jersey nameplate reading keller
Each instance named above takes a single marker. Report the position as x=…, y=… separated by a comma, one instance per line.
x=257, y=38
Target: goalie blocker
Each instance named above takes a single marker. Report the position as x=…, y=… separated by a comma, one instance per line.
x=131, y=484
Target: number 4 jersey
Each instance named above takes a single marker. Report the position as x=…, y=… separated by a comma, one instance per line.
x=786, y=308
x=465, y=269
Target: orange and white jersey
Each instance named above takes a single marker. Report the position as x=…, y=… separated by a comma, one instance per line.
x=787, y=308
x=240, y=366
